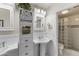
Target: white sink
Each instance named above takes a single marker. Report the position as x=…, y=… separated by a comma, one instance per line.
x=43, y=40
x=43, y=43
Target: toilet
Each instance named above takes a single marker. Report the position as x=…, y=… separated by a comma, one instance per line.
x=60, y=48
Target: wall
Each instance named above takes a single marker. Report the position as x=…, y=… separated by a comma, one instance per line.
x=52, y=19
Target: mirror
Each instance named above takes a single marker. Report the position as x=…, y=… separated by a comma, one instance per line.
x=39, y=22
x=4, y=17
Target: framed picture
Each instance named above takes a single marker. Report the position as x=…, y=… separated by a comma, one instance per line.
x=26, y=29
x=1, y=23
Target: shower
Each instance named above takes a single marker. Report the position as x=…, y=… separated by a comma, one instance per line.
x=68, y=23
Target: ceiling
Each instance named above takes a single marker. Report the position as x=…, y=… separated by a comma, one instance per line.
x=49, y=5
x=42, y=5
x=72, y=11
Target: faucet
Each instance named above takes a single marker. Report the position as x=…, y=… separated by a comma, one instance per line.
x=3, y=44
x=40, y=37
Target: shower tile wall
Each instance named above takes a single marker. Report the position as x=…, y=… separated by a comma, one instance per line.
x=75, y=31
x=69, y=35
x=64, y=34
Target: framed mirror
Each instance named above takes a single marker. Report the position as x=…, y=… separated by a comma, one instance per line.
x=38, y=22
x=6, y=16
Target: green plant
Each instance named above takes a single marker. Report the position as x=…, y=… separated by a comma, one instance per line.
x=26, y=6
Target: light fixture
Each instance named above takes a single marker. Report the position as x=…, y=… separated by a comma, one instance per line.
x=77, y=19
x=65, y=11
x=37, y=10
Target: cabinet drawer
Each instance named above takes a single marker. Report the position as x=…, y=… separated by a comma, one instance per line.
x=26, y=54
x=26, y=50
x=26, y=46
x=26, y=40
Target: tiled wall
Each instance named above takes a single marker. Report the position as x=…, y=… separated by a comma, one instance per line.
x=72, y=37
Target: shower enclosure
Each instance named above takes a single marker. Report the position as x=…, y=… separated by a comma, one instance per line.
x=69, y=33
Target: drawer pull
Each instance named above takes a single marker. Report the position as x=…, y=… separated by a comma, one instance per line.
x=26, y=40
x=26, y=53
x=26, y=46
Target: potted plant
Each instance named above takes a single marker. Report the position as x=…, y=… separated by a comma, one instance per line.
x=25, y=6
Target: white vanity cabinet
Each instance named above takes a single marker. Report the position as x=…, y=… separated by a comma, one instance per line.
x=26, y=35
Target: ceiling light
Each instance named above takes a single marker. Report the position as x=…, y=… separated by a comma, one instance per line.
x=77, y=19
x=65, y=11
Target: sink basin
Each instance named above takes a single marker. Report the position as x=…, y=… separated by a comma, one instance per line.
x=43, y=40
